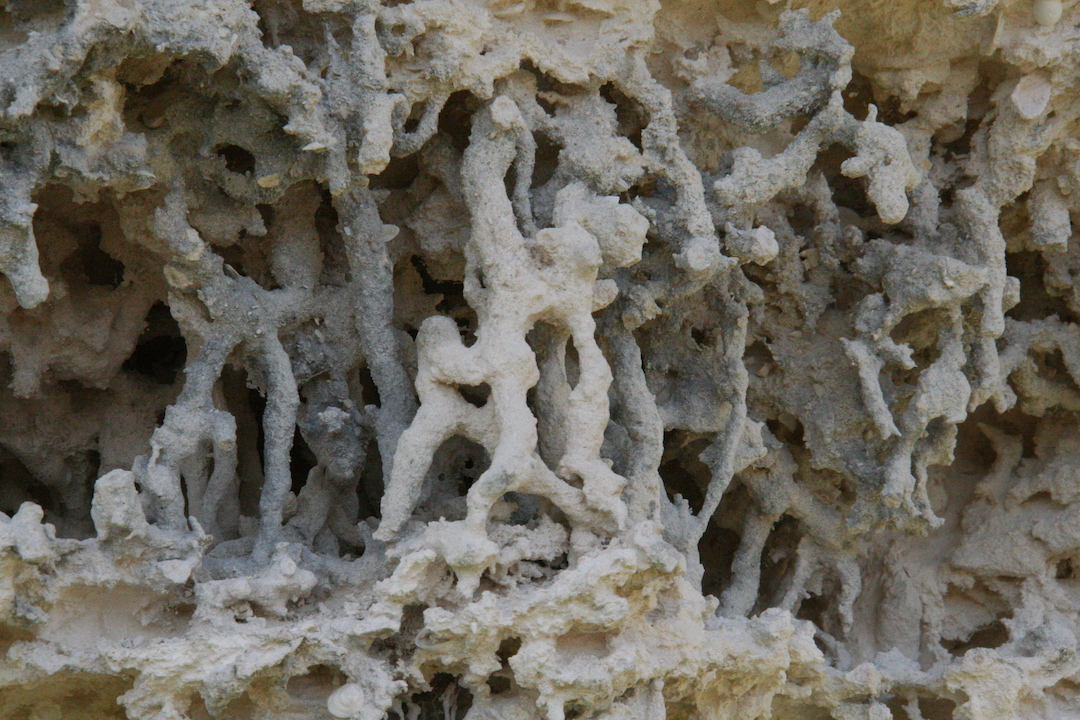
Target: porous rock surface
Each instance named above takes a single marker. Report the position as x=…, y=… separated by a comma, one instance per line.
x=539, y=359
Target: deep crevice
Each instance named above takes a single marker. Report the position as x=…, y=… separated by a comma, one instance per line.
x=161, y=352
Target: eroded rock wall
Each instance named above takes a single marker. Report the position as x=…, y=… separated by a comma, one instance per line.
x=539, y=359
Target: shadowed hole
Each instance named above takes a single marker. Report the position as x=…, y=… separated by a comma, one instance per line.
x=573, y=364
x=90, y=262
x=720, y=542
x=501, y=680
x=846, y=192
x=237, y=159
x=301, y=461
x=160, y=352
x=682, y=470
x=455, y=466
x=247, y=405
x=335, y=270
x=446, y=700
x=455, y=119
x=368, y=390
x=628, y=113
x=20, y=486
x=928, y=708
x=547, y=159
x=1036, y=302
x=936, y=708
x=777, y=562
x=286, y=23
x=990, y=635
x=453, y=303
x=369, y=490
x=475, y=395
x=399, y=173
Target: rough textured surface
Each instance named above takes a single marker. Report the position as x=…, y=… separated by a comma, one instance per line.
x=539, y=359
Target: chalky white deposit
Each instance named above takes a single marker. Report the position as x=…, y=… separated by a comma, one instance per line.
x=539, y=360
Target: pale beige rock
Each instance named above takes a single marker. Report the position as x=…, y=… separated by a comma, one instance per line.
x=539, y=360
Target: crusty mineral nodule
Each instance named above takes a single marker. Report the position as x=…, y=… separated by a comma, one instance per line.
x=539, y=359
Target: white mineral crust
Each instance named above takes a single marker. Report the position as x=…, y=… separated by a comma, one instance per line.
x=539, y=360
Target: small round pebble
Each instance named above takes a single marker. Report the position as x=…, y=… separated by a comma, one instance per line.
x=1047, y=12
x=346, y=702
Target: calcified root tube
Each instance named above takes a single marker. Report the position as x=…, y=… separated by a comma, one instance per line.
x=537, y=360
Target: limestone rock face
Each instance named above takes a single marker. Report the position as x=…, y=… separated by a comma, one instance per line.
x=539, y=359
